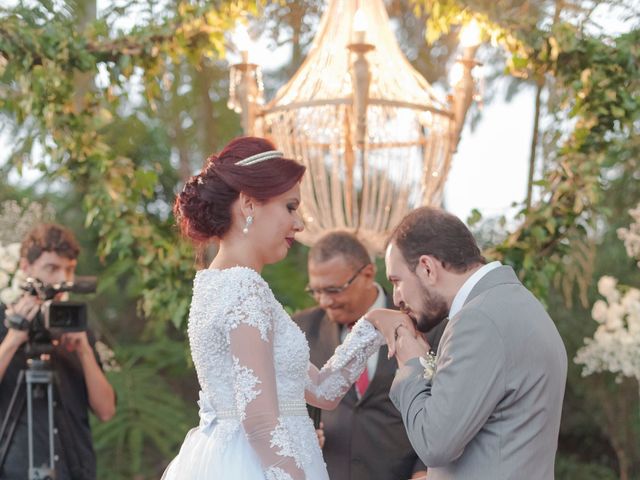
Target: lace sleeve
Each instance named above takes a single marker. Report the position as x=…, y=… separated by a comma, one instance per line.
x=251, y=341
x=326, y=387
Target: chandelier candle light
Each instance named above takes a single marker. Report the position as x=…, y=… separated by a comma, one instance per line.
x=375, y=137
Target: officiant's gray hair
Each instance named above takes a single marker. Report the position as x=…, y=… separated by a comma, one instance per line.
x=432, y=231
x=340, y=243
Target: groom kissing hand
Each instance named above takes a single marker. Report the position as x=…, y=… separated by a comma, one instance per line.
x=403, y=341
x=489, y=405
x=364, y=435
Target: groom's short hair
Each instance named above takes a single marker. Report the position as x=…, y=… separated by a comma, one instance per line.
x=432, y=231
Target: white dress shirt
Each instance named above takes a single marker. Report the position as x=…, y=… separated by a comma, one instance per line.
x=465, y=290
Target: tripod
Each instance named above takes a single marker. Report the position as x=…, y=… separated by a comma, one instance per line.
x=34, y=381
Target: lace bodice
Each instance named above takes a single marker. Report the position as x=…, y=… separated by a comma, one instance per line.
x=252, y=363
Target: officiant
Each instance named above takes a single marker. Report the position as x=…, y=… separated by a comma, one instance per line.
x=364, y=435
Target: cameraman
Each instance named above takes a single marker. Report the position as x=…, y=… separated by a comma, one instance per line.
x=49, y=253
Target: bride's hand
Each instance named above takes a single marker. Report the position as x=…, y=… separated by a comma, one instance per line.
x=391, y=324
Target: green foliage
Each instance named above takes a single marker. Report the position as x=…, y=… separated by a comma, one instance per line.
x=151, y=419
x=289, y=278
x=43, y=53
x=567, y=468
x=599, y=81
x=595, y=86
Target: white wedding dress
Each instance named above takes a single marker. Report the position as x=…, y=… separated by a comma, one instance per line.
x=253, y=366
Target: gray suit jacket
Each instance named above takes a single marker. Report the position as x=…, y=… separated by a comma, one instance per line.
x=492, y=409
x=365, y=438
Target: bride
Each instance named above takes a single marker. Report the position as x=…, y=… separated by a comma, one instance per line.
x=251, y=359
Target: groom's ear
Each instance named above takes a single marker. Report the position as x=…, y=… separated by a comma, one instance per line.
x=427, y=269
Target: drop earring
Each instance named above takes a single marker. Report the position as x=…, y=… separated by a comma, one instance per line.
x=248, y=223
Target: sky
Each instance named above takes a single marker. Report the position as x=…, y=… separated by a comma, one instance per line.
x=490, y=168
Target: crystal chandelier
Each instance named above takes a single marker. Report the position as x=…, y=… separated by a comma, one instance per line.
x=375, y=138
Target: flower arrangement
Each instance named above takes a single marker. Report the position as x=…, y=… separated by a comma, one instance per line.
x=11, y=277
x=16, y=219
x=107, y=358
x=631, y=236
x=615, y=346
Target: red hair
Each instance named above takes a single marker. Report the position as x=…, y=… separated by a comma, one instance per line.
x=203, y=208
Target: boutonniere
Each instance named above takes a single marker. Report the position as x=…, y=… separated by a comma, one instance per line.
x=429, y=364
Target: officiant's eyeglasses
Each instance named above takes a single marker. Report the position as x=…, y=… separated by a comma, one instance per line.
x=316, y=292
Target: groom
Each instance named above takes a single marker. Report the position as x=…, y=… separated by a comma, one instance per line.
x=489, y=405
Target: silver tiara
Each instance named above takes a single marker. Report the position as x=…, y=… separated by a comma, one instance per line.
x=259, y=157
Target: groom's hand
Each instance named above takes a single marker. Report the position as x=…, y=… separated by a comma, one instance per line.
x=391, y=323
x=409, y=346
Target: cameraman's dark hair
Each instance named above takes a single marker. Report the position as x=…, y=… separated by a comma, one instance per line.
x=432, y=231
x=49, y=237
x=340, y=243
x=203, y=208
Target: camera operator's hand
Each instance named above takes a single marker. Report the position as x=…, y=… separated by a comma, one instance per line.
x=76, y=342
x=27, y=307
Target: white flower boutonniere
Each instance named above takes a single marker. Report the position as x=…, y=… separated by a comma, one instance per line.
x=429, y=364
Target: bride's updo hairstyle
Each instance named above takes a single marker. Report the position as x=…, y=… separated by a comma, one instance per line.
x=203, y=208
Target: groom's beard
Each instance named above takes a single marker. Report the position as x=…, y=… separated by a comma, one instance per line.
x=434, y=310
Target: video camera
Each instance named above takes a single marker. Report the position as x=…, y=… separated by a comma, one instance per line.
x=55, y=317
x=39, y=380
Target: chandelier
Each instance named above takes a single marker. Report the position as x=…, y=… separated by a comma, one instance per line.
x=375, y=137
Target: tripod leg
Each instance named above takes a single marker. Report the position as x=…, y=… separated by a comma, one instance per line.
x=40, y=377
x=13, y=414
x=51, y=427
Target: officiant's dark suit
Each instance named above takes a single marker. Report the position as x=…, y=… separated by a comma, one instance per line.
x=365, y=437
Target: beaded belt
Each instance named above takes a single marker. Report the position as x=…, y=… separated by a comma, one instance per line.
x=287, y=409
x=209, y=416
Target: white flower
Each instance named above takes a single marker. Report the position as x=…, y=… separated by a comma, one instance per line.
x=631, y=236
x=13, y=250
x=631, y=299
x=601, y=334
x=11, y=277
x=107, y=357
x=429, y=364
x=599, y=311
x=9, y=257
x=607, y=288
x=10, y=295
x=19, y=278
x=4, y=279
x=6, y=262
x=615, y=316
x=631, y=304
